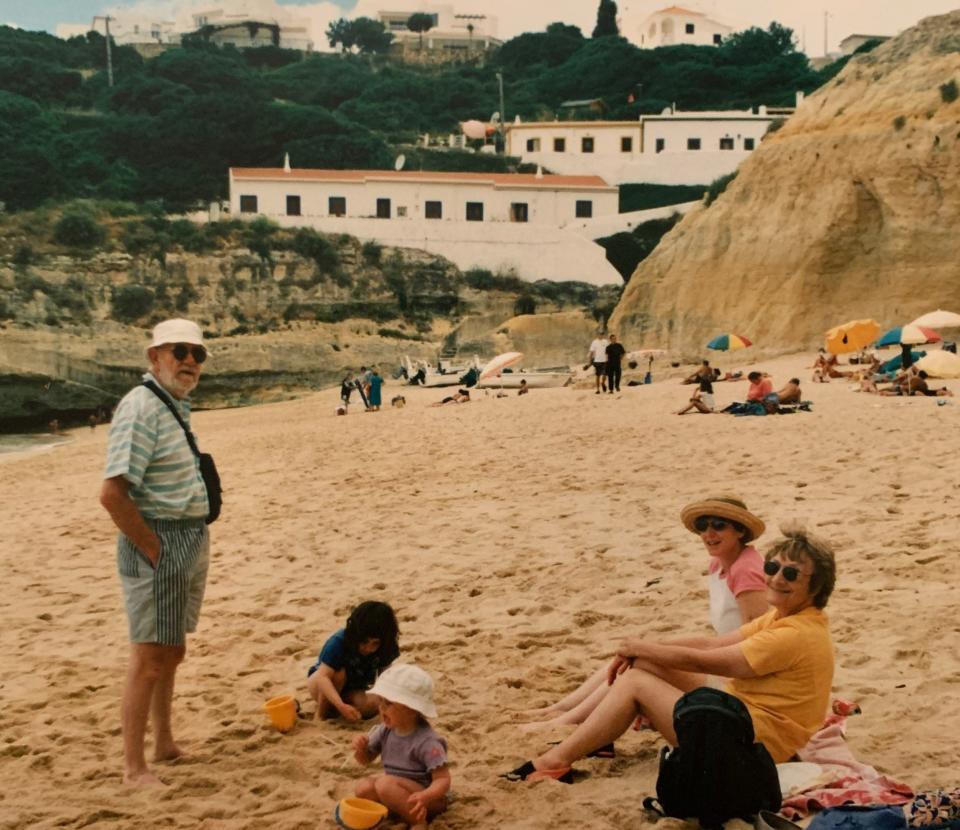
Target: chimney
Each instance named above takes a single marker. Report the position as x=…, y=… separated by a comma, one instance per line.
x=286, y=162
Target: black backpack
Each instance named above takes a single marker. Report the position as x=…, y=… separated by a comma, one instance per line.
x=717, y=771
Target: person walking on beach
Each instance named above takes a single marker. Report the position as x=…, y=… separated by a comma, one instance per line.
x=597, y=355
x=615, y=353
x=155, y=494
x=374, y=385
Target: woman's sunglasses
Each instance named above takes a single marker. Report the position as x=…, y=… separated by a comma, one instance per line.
x=181, y=350
x=771, y=567
x=701, y=523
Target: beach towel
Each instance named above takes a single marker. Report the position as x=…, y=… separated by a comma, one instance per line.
x=854, y=782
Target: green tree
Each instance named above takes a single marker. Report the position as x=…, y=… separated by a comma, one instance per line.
x=340, y=33
x=370, y=36
x=606, y=20
x=756, y=46
x=78, y=229
x=420, y=22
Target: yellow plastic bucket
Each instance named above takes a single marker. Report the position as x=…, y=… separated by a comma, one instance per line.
x=359, y=813
x=282, y=712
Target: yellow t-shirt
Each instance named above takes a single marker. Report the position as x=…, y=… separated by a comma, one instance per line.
x=793, y=658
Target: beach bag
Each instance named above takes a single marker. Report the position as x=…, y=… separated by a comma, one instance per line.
x=717, y=771
x=208, y=469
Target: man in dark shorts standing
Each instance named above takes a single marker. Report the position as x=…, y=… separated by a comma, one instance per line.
x=598, y=357
x=155, y=495
x=615, y=353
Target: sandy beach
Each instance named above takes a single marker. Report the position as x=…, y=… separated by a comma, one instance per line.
x=517, y=538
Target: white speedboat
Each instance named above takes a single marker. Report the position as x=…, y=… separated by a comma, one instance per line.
x=536, y=379
x=419, y=372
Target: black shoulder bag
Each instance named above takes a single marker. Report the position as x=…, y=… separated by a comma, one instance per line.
x=208, y=470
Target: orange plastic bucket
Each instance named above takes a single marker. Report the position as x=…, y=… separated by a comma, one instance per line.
x=282, y=712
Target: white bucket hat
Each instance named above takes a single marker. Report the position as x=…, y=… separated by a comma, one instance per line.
x=177, y=330
x=407, y=684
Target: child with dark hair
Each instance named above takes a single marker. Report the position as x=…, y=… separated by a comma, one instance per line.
x=350, y=661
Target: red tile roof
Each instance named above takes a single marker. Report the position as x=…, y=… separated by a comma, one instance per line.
x=496, y=179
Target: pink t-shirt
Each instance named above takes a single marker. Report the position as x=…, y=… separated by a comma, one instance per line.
x=758, y=391
x=746, y=574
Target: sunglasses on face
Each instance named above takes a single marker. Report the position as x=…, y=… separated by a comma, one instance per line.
x=772, y=567
x=702, y=523
x=181, y=350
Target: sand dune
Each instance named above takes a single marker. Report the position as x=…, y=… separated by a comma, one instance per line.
x=517, y=538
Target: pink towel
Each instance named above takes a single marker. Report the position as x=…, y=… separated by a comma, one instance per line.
x=855, y=783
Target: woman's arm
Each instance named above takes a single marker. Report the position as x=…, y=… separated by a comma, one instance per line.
x=752, y=604
x=726, y=660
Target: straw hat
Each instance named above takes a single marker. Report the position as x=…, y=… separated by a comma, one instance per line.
x=407, y=684
x=724, y=507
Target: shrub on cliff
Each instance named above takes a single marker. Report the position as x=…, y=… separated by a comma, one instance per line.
x=78, y=229
x=131, y=302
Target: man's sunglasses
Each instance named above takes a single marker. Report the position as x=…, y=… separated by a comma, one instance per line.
x=771, y=567
x=701, y=523
x=181, y=350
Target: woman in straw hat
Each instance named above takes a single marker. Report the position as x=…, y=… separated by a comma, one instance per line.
x=735, y=580
x=780, y=667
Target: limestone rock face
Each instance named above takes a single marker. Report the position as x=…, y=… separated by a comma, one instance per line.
x=850, y=210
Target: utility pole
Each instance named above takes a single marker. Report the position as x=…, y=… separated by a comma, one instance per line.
x=106, y=27
x=503, y=114
x=826, y=16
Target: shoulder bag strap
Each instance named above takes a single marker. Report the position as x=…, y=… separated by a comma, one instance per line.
x=156, y=391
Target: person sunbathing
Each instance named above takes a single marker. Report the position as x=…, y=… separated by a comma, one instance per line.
x=780, y=667
x=790, y=393
x=735, y=585
x=461, y=396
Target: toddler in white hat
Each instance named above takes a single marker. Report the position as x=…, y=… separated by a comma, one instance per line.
x=415, y=780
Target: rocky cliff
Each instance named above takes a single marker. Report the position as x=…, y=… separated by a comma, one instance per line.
x=850, y=210
x=75, y=328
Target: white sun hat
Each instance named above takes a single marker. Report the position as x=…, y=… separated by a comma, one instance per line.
x=407, y=684
x=177, y=330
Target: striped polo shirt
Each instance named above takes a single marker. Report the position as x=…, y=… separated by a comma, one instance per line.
x=147, y=447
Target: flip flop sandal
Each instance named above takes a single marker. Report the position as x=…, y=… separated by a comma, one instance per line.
x=605, y=751
x=528, y=772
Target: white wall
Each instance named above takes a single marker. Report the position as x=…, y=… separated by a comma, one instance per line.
x=671, y=29
x=609, y=225
x=546, y=207
x=549, y=253
x=675, y=132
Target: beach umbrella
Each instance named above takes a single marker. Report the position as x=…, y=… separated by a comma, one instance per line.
x=911, y=334
x=938, y=319
x=940, y=364
x=852, y=336
x=499, y=363
x=729, y=343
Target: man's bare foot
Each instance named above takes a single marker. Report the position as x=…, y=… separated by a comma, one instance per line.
x=144, y=778
x=167, y=752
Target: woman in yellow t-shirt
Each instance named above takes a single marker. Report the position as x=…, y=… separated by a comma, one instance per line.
x=780, y=665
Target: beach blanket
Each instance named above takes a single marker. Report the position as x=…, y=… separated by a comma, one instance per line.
x=854, y=782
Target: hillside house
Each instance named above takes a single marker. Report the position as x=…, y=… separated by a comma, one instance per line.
x=670, y=148
x=488, y=220
x=671, y=26
x=451, y=32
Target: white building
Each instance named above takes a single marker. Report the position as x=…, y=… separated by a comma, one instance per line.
x=126, y=29
x=671, y=26
x=484, y=220
x=671, y=148
x=851, y=43
x=450, y=31
x=252, y=23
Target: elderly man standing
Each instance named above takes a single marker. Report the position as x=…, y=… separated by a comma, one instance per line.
x=154, y=491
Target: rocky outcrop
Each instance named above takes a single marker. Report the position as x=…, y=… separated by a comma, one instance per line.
x=276, y=328
x=850, y=210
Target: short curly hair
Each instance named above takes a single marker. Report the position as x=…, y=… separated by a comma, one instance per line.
x=799, y=545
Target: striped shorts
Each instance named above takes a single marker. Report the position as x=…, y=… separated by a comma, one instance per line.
x=163, y=604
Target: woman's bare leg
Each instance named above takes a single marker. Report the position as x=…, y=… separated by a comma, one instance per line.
x=578, y=695
x=635, y=692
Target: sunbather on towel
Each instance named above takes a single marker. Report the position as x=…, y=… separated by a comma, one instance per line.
x=790, y=393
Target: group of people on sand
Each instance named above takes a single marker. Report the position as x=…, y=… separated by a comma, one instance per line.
x=772, y=647
x=760, y=390
x=369, y=383
x=909, y=380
